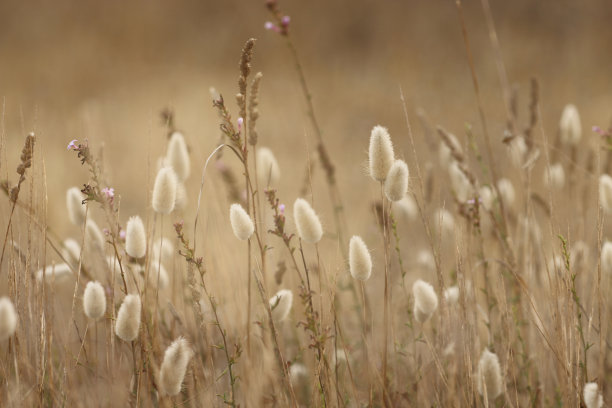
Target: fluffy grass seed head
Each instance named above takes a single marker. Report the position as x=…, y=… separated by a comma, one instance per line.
x=605, y=192
x=425, y=260
x=164, y=191
x=425, y=300
x=128, y=318
x=444, y=221
x=460, y=183
x=94, y=238
x=280, y=304
x=518, y=150
x=579, y=255
x=297, y=373
x=307, y=222
x=71, y=252
x=451, y=295
x=177, y=156
x=174, y=366
x=242, y=225
x=360, y=261
x=445, y=154
x=396, y=184
x=570, y=126
x=606, y=257
x=158, y=274
x=167, y=249
x=506, y=191
x=489, y=375
x=487, y=197
x=94, y=300
x=135, y=238
x=406, y=208
x=381, y=156
x=554, y=176
x=8, y=318
x=592, y=396
x=74, y=204
x=268, y=171
x=180, y=202
x=58, y=273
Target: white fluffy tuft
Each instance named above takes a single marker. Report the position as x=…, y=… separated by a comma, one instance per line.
x=489, y=375
x=128, y=318
x=570, y=126
x=281, y=304
x=381, y=153
x=396, y=184
x=8, y=318
x=425, y=300
x=177, y=156
x=135, y=238
x=307, y=222
x=164, y=191
x=360, y=261
x=74, y=204
x=242, y=225
x=94, y=300
x=174, y=366
x=268, y=171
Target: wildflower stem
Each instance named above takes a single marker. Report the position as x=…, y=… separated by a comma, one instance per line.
x=387, y=296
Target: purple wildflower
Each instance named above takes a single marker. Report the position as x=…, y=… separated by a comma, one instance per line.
x=272, y=27
x=72, y=145
x=109, y=192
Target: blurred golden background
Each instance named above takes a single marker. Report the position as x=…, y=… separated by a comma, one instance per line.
x=104, y=70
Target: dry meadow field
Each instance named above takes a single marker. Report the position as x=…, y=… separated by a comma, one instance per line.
x=326, y=203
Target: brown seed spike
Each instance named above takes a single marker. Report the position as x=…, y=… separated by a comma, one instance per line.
x=245, y=60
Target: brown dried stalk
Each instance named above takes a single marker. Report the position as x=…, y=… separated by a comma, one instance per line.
x=26, y=162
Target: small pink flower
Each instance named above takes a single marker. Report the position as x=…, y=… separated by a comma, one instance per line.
x=272, y=27
x=285, y=21
x=281, y=208
x=72, y=145
x=122, y=234
x=106, y=231
x=240, y=123
x=109, y=192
